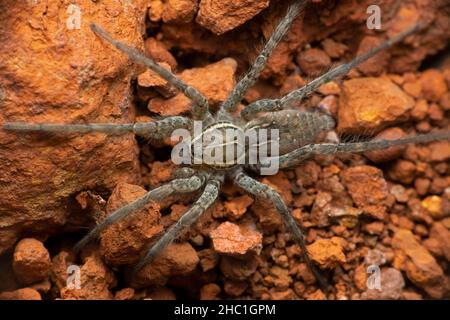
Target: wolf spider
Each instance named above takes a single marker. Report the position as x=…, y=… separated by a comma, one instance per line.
x=298, y=129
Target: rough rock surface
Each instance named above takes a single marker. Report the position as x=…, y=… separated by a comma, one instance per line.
x=327, y=253
x=391, y=286
x=233, y=239
x=419, y=265
x=368, y=189
x=391, y=153
x=135, y=231
x=368, y=105
x=55, y=72
x=96, y=281
x=31, y=261
x=220, y=17
x=215, y=81
x=177, y=259
x=21, y=294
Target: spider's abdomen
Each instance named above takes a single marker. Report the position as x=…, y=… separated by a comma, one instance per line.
x=297, y=128
x=219, y=146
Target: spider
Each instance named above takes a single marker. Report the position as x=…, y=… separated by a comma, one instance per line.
x=296, y=142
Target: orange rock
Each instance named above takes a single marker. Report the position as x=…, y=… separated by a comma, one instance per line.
x=238, y=268
x=161, y=293
x=421, y=268
x=158, y=51
x=20, y=294
x=368, y=189
x=434, y=246
x=124, y=294
x=179, y=10
x=368, y=105
x=60, y=267
x=316, y=295
x=322, y=209
x=439, y=151
x=155, y=10
x=161, y=172
x=441, y=234
x=334, y=49
x=433, y=204
x=135, y=231
x=376, y=65
x=62, y=75
x=403, y=171
x=277, y=294
x=279, y=277
x=292, y=82
x=420, y=110
x=150, y=79
x=422, y=186
x=215, y=81
x=281, y=184
x=391, y=153
x=307, y=173
x=413, y=88
x=435, y=113
x=360, y=277
x=96, y=281
x=208, y=259
x=236, y=207
x=327, y=253
x=391, y=286
x=313, y=61
x=176, y=259
x=330, y=88
x=305, y=273
x=222, y=16
x=268, y=217
x=376, y=227
x=234, y=288
x=31, y=261
x=445, y=101
x=236, y=240
x=209, y=291
x=433, y=85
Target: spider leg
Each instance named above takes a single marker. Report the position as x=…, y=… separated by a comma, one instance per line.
x=150, y=130
x=184, y=172
x=261, y=190
x=200, y=108
x=269, y=105
x=260, y=62
x=207, y=198
x=175, y=186
x=301, y=154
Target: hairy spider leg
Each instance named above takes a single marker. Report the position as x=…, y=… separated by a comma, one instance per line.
x=207, y=198
x=258, y=65
x=200, y=107
x=301, y=154
x=159, y=129
x=185, y=185
x=261, y=190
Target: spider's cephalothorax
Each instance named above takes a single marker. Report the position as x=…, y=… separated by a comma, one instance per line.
x=296, y=140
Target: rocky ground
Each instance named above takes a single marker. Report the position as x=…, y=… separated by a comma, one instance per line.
x=389, y=209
